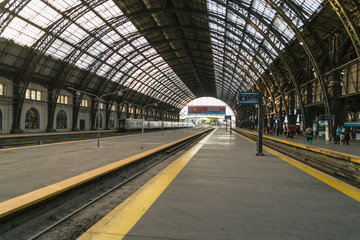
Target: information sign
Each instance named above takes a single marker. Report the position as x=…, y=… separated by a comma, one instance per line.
x=328, y=118
x=248, y=98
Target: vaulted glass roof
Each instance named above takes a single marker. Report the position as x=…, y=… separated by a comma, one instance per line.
x=173, y=51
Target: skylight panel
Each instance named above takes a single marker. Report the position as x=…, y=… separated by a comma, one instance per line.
x=103, y=70
x=64, y=4
x=127, y=66
x=22, y=32
x=73, y=34
x=97, y=48
x=150, y=52
x=90, y=21
x=85, y=60
x=127, y=29
x=309, y=7
x=261, y=7
x=108, y=10
x=111, y=37
x=140, y=42
x=125, y=50
x=118, y=76
x=283, y=28
x=59, y=49
x=39, y=13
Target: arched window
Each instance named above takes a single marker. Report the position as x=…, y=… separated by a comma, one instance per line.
x=96, y=124
x=0, y=120
x=112, y=121
x=61, y=120
x=32, y=119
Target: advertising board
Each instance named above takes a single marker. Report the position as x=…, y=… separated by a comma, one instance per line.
x=206, y=110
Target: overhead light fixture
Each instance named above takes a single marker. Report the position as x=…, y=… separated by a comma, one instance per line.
x=301, y=43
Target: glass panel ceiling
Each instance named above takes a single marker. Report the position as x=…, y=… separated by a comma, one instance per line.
x=89, y=32
x=242, y=29
x=246, y=37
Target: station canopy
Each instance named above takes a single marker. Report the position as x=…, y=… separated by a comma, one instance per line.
x=170, y=50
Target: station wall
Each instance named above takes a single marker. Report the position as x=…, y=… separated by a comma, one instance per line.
x=34, y=115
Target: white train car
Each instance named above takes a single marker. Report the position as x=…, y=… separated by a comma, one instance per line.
x=137, y=124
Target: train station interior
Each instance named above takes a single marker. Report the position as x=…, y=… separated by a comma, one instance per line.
x=63, y=61
x=94, y=90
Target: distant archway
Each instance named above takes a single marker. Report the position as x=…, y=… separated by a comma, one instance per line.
x=204, y=108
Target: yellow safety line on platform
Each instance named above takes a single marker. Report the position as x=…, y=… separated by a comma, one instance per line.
x=28, y=199
x=329, y=180
x=119, y=221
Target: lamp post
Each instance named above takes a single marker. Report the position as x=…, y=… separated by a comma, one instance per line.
x=142, y=113
x=120, y=93
x=162, y=119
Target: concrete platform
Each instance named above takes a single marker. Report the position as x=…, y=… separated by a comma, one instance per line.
x=319, y=142
x=226, y=192
x=25, y=169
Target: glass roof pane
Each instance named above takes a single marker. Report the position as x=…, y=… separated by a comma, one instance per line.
x=89, y=21
x=73, y=34
x=64, y=5
x=39, y=13
x=22, y=32
x=108, y=10
x=59, y=49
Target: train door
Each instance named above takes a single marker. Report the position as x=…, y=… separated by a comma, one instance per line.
x=82, y=124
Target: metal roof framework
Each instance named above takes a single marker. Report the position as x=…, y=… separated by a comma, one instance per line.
x=173, y=51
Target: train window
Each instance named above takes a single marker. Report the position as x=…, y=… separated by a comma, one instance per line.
x=113, y=107
x=101, y=106
x=32, y=119
x=61, y=120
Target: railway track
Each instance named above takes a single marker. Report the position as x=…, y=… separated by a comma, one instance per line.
x=341, y=166
x=68, y=215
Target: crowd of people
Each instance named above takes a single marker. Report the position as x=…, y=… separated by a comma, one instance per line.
x=342, y=134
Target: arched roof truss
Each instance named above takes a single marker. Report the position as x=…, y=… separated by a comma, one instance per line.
x=174, y=51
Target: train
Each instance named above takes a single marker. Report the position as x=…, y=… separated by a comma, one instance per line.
x=136, y=124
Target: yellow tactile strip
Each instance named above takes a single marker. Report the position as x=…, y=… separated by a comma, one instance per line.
x=119, y=221
x=331, y=153
x=331, y=181
x=18, y=203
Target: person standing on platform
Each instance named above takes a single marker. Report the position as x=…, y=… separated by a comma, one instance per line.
x=342, y=138
x=347, y=136
x=309, y=135
x=338, y=133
